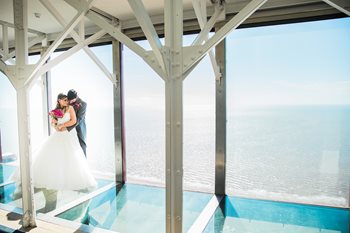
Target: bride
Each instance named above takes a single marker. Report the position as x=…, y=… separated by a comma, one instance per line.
x=59, y=163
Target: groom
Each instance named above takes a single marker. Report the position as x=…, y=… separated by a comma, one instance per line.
x=80, y=110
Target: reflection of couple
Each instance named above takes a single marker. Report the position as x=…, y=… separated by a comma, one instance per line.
x=59, y=163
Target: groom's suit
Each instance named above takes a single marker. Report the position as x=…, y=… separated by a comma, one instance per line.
x=80, y=110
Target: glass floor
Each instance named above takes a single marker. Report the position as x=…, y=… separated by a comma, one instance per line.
x=135, y=208
x=5, y=173
x=240, y=215
x=45, y=202
x=140, y=208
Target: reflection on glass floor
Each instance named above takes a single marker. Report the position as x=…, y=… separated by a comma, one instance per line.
x=242, y=215
x=135, y=208
x=59, y=199
x=5, y=173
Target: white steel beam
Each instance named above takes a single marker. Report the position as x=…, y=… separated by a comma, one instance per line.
x=20, y=9
x=78, y=38
x=69, y=53
x=11, y=25
x=81, y=12
x=32, y=42
x=81, y=30
x=3, y=67
x=201, y=14
x=46, y=96
x=173, y=17
x=237, y=20
x=118, y=35
x=205, y=29
x=337, y=6
x=147, y=26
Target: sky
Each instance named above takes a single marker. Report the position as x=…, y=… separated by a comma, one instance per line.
x=294, y=64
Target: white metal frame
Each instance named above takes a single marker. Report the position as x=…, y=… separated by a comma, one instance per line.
x=172, y=62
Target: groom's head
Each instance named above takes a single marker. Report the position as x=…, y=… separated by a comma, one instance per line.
x=72, y=96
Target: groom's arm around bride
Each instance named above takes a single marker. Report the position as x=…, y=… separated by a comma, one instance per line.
x=80, y=111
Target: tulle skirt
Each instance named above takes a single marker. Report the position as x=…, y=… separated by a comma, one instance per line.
x=60, y=164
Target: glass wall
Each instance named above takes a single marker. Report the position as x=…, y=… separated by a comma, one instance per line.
x=8, y=117
x=145, y=123
x=79, y=72
x=288, y=102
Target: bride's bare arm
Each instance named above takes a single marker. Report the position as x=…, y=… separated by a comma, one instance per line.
x=54, y=123
x=73, y=119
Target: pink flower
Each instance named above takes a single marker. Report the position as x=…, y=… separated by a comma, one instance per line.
x=56, y=113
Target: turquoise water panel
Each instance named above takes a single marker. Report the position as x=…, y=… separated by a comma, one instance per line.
x=6, y=172
x=134, y=208
x=242, y=215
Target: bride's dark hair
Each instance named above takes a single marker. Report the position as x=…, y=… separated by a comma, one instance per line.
x=60, y=97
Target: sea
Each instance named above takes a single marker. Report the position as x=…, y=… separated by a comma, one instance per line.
x=285, y=153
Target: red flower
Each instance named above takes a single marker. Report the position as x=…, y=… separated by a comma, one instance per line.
x=56, y=113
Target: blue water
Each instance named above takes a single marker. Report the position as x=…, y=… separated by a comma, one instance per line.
x=134, y=208
x=298, y=154
x=242, y=215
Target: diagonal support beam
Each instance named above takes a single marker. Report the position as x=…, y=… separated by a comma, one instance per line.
x=78, y=38
x=148, y=28
x=118, y=35
x=48, y=66
x=79, y=16
x=237, y=20
x=205, y=29
x=201, y=13
x=337, y=6
x=3, y=67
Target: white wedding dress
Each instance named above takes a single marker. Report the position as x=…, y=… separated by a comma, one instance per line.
x=60, y=164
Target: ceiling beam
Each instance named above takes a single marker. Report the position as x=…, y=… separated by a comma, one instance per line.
x=147, y=27
x=240, y=17
x=337, y=6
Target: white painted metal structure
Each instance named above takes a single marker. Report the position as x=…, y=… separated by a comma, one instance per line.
x=35, y=23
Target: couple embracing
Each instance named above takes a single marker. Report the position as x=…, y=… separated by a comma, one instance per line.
x=60, y=162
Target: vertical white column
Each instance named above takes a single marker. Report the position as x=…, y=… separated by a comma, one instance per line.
x=46, y=96
x=173, y=13
x=120, y=165
x=21, y=37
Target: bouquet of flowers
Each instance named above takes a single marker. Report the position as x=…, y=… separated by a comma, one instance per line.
x=56, y=113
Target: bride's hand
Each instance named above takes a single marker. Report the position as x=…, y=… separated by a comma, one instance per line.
x=61, y=127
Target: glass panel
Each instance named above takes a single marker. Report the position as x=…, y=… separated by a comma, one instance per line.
x=199, y=126
x=134, y=208
x=144, y=120
x=288, y=102
x=8, y=118
x=79, y=72
x=45, y=200
x=242, y=215
x=145, y=123
x=6, y=171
